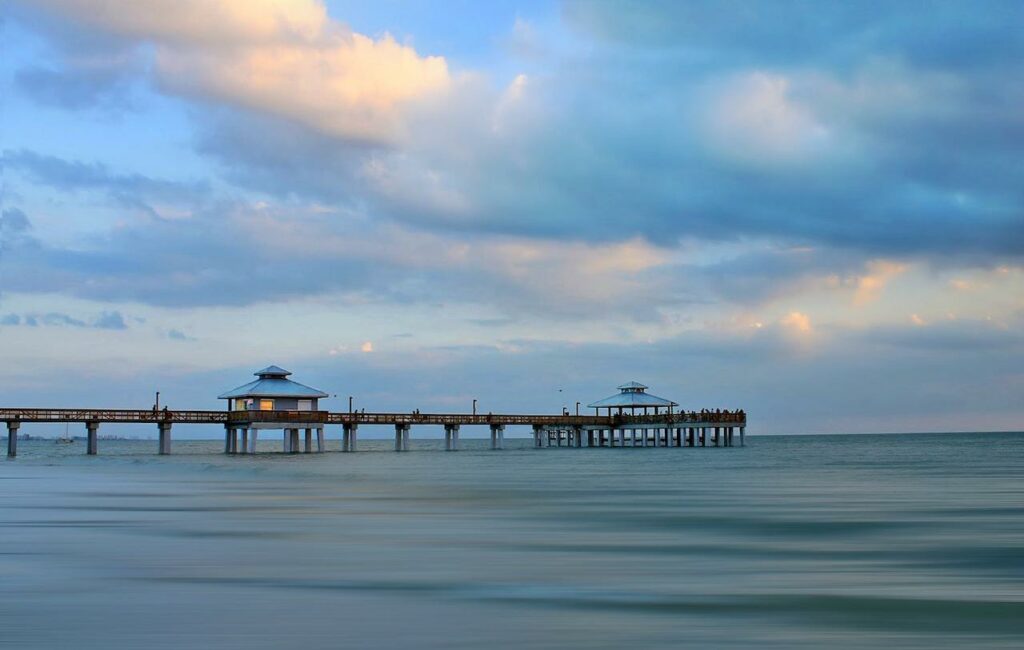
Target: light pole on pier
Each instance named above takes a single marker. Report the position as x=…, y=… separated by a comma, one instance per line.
x=350, y=405
x=577, y=409
x=474, y=406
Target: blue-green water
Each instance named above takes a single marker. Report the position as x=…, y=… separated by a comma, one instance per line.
x=909, y=541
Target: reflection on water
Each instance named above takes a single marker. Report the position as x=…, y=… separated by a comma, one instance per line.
x=851, y=542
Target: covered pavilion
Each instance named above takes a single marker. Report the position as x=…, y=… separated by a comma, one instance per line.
x=632, y=396
x=273, y=401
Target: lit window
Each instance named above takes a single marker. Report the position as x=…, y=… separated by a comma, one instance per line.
x=266, y=405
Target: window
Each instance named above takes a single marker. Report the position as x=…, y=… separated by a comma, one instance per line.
x=305, y=405
x=266, y=405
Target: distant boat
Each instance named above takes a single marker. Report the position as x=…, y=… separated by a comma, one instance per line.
x=65, y=439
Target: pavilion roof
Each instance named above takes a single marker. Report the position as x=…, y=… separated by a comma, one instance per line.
x=632, y=395
x=273, y=382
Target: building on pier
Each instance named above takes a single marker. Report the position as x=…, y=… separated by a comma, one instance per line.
x=273, y=402
x=632, y=396
x=273, y=391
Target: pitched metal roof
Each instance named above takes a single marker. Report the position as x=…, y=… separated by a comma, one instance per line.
x=272, y=371
x=632, y=385
x=272, y=382
x=632, y=395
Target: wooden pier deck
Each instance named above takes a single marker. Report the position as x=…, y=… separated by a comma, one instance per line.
x=684, y=429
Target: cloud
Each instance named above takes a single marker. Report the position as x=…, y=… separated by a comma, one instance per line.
x=785, y=32
x=110, y=320
x=798, y=322
x=178, y=335
x=104, y=85
x=199, y=21
x=737, y=138
x=281, y=58
x=367, y=346
x=949, y=336
x=14, y=226
x=880, y=272
x=755, y=119
x=154, y=197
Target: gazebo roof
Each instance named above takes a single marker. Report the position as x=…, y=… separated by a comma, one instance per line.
x=632, y=385
x=272, y=371
x=273, y=382
x=632, y=395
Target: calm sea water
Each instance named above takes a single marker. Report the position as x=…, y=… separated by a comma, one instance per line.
x=902, y=541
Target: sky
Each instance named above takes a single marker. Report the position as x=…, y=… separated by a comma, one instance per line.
x=810, y=210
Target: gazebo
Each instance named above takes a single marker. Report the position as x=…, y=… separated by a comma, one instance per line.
x=273, y=401
x=632, y=396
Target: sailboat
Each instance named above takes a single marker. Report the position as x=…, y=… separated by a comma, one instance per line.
x=65, y=439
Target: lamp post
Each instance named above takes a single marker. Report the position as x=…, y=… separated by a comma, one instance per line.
x=350, y=405
x=474, y=406
x=158, y=400
x=577, y=409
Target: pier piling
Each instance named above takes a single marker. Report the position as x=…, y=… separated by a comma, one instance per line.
x=497, y=436
x=451, y=437
x=164, y=446
x=12, y=438
x=349, y=435
x=91, y=429
x=402, y=437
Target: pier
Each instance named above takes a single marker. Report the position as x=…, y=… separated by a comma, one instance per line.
x=257, y=406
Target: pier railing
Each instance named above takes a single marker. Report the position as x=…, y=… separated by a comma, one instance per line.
x=312, y=417
x=112, y=415
x=325, y=417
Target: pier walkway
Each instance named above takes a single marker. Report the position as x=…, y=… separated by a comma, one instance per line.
x=685, y=429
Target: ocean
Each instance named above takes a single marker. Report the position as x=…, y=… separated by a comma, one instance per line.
x=846, y=541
